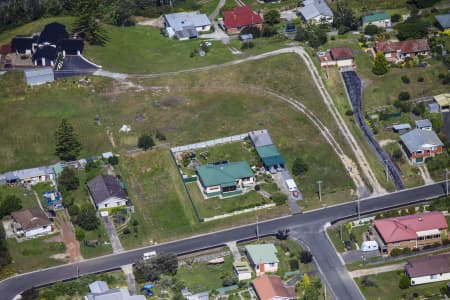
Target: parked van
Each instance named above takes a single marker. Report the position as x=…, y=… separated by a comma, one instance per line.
x=148, y=255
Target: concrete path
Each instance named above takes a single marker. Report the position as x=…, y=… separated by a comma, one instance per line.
x=425, y=174
x=112, y=234
x=234, y=251
x=129, y=276
x=377, y=270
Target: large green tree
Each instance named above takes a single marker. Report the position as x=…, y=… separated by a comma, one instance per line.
x=87, y=22
x=68, y=146
x=152, y=269
x=380, y=64
x=87, y=218
x=68, y=179
x=272, y=17
x=9, y=204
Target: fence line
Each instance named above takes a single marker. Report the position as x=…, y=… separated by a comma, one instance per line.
x=205, y=144
x=238, y=212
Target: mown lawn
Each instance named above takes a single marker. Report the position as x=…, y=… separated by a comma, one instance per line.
x=386, y=287
x=27, y=198
x=101, y=236
x=335, y=236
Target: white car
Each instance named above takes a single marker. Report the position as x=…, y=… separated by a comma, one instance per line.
x=148, y=255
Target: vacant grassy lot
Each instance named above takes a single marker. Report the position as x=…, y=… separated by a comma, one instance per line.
x=36, y=253
x=104, y=247
x=366, y=6
x=28, y=200
x=386, y=287
x=281, y=5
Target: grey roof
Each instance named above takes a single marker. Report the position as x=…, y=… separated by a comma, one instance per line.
x=98, y=286
x=103, y=187
x=443, y=20
x=423, y=123
x=31, y=218
x=114, y=294
x=178, y=21
x=315, y=8
x=39, y=76
x=433, y=107
x=402, y=126
x=416, y=138
x=260, y=138
x=186, y=32
x=29, y=173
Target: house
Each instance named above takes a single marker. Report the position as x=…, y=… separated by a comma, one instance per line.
x=22, y=45
x=420, y=145
x=186, y=25
x=263, y=258
x=428, y=269
x=39, y=76
x=225, y=179
x=105, y=192
x=413, y=231
x=31, y=223
x=242, y=270
x=45, y=56
x=343, y=56
x=401, y=128
x=270, y=287
x=424, y=125
x=316, y=11
x=99, y=290
x=31, y=176
x=443, y=100
x=52, y=33
x=443, y=22
x=379, y=19
x=70, y=46
x=241, y=17
x=397, y=51
x=267, y=151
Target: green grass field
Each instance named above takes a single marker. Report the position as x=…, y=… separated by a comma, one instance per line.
x=362, y=7
x=28, y=200
x=386, y=287
x=101, y=236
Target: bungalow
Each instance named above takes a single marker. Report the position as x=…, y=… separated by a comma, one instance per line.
x=238, y=18
x=421, y=144
x=397, y=51
x=263, y=258
x=343, y=56
x=39, y=76
x=443, y=22
x=316, y=11
x=379, y=19
x=424, y=124
x=186, y=25
x=31, y=176
x=105, y=192
x=31, y=223
x=414, y=231
x=270, y=287
x=225, y=179
x=428, y=269
x=443, y=100
x=99, y=290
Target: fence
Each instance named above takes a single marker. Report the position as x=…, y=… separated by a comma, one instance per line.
x=210, y=143
x=238, y=212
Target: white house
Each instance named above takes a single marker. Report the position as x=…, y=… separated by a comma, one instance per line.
x=428, y=269
x=106, y=192
x=31, y=176
x=316, y=11
x=379, y=19
x=263, y=258
x=186, y=25
x=31, y=223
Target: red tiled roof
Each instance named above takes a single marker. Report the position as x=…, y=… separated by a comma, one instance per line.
x=428, y=265
x=270, y=286
x=240, y=16
x=5, y=49
x=405, y=228
x=341, y=53
x=408, y=46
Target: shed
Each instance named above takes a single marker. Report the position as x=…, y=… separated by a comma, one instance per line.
x=242, y=270
x=401, y=127
x=246, y=37
x=433, y=107
x=424, y=124
x=39, y=76
x=270, y=156
x=443, y=100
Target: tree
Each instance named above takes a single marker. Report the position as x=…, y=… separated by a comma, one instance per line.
x=306, y=281
x=121, y=13
x=68, y=146
x=87, y=23
x=305, y=257
x=9, y=204
x=87, y=218
x=380, y=64
x=145, y=141
x=404, y=282
x=268, y=30
x=272, y=17
x=396, y=18
x=344, y=17
x=282, y=234
x=68, y=179
x=299, y=167
x=412, y=28
x=113, y=160
x=317, y=37
x=79, y=234
x=301, y=35
x=372, y=29
x=403, y=96
x=397, y=154
x=151, y=269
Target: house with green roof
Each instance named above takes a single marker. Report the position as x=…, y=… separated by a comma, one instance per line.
x=380, y=19
x=263, y=258
x=225, y=179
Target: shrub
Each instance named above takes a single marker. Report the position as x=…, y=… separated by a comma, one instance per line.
x=397, y=154
x=396, y=18
x=279, y=198
x=113, y=160
x=396, y=252
x=145, y=141
x=293, y=264
x=349, y=112
x=299, y=167
x=126, y=231
x=420, y=79
x=74, y=210
x=372, y=30
x=404, y=282
x=405, y=79
x=68, y=179
x=305, y=257
x=407, y=250
x=247, y=45
x=366, y=281
x=79, y=234
x=403, y=96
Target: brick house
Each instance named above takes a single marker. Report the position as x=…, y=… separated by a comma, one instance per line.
x=421, y=144
x=238, y=18
x=398, y=51
x=414, y=231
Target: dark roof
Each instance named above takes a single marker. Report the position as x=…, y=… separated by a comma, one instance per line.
x=428, y=265
x=5, y=49
x=21, y=44
x=240, y=16
x=103, y=187
x=341, y=53
x=409, y=46
x=443, y=20
x=47, y=52
x=71, y=46
x=52, y=33
x=31, y=218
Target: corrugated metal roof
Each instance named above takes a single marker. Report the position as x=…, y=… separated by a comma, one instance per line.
x=315, y=8
x=260, y=138
x=223, y=174
x=178, y=21
x=402, y=126
x=416, y=139
x=39, y=75
x=423, y=123
x=443, y=99
x=261, y=254
x=375, y=16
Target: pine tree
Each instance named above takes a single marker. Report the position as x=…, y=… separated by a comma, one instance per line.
x=68, y=146
x=380, y=64
x=87, y=23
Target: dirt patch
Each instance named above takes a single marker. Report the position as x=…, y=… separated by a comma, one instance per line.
x=110, y=137
x=156, y=22
x=68, y=237
x=168, y=102
x=60, y=256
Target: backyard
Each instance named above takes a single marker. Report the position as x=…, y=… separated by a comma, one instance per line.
x=340, y=233
x=27, y=198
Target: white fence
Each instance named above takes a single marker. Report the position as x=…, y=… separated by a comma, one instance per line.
x=210, y=143
x=238, y=212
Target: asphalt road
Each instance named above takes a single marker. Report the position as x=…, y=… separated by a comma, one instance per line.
x=308, y=227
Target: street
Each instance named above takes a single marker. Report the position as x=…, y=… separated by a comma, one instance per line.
x=307, y=227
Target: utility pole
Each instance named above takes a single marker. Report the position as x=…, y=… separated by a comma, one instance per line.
x=257, y=229
x=320, y=190
x=446, y=182
x=324, y=291
x=359, y=209
x=386, y=170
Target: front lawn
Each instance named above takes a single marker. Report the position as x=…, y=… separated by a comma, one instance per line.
x=104, y=246
x=355, y=234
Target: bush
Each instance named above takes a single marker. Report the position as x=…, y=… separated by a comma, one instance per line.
x=87, y=218
x=113, y=160
x=366, y=281
x=407, y=250
x=396, y=18
x=306, y=257
x=79, y=234
x=396, y=252
x=279, y=198
x=145, y=141
x=403, y=96
x=293, y=264
x=372, y=30
x=420, y=79
x=397, y=154
x=299, y=167
x=73, y=210
x=126, y=231
x=405, y=79
x=247, y=45
x=68, y=179
x=404, y=282
x=349, y=112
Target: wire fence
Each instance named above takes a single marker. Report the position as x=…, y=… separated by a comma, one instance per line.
x=210, y=143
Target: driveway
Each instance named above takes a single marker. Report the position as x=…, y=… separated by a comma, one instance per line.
x=74, y=65
x=357, y=255
x=112, y=234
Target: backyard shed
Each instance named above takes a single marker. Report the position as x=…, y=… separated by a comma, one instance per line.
x=39, y=76
x=443, y=100
x=270, y=156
